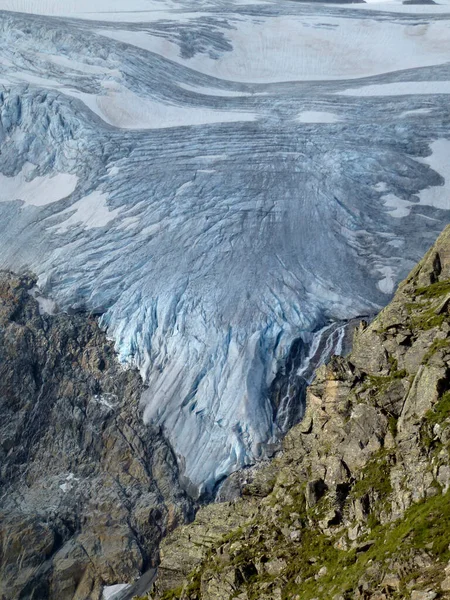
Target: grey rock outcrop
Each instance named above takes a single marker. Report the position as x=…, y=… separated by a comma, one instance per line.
x=87, y=490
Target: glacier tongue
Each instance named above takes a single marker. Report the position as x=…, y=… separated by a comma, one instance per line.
x=155, y=171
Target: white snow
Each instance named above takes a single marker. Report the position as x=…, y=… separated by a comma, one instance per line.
x=89, y=212
x=317, y=116
x=128, y=223
x=36, y=190
x=104, y=400
x=400, y=88
x=381, y=3
x=123, y=108
x=396, y=243
x=68, y=484
x=387, y=283
x=439, y=161
x=400, y=208
x=129, y=11
x=417, y=111
x=111, y=591
x=138, y=11
x=441, y=7
x=47, y=306
x=18, y=76
x=83, y=67
x=208, y=91
x=90, y=9
x=294, y=48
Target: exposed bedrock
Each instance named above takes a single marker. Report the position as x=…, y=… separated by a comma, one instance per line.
x=88, y=490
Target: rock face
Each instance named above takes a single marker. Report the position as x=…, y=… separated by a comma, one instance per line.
x=358, y=503
x=87, y=489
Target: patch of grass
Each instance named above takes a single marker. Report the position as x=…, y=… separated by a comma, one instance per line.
x=372, y=520
x=259, y=490
x=435, y=290
x=392, y=424
x=234, y=535
x=423, y=310
x=435, y=346
x=375, y=477
x=393, y=363
x=427, y=438
x=440, y=411
x=297, y=505
x=427, y=319
x=424, y=526
x=170, y=595
x=337, y=562
x=377, y=385
x=435, y=416
x=192, y=590
x=382, y=381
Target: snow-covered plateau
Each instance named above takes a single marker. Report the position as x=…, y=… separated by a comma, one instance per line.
x=224, y=182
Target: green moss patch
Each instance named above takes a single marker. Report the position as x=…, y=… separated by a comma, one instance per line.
x=435, y=290
x=435, y=347
x=375, y=477
x=440, y=411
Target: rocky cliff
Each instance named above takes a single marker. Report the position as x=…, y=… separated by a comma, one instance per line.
x=87, y=490
x=358, y=503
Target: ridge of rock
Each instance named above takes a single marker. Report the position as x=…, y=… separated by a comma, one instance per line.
x=88, y=490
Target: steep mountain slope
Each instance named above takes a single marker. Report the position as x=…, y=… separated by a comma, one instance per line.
x=221, y=193
x=358, y=503
x=87, y=490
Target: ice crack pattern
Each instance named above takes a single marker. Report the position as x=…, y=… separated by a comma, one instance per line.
x=224, y=184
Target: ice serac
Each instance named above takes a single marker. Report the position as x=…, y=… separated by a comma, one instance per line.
x=224, y=197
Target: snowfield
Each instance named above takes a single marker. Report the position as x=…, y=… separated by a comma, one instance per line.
x=291, y=49
x=225, y=187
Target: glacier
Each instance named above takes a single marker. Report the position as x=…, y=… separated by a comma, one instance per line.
x=225, y=187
